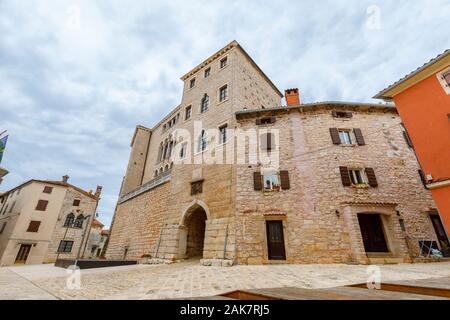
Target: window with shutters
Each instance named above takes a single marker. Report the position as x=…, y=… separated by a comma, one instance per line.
x=357, y=177
x=65, y=246
x=48, y=190
x=34, y=226
x=265, y=120
x=270, y=179
x=42, y=205
x=345, y=136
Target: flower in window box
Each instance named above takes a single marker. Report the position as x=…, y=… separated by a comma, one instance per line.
x=361, y=186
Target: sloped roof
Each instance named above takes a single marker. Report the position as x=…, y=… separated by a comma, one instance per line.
x=97, y=223
x=58, y=183
x=386, y=93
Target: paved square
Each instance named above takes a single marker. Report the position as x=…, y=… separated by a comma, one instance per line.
x=189, y=279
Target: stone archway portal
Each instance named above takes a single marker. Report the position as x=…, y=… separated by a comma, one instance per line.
x=192, y=235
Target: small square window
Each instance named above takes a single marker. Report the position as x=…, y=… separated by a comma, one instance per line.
x=357, y=176
x=187, y=113
x=345, y=136
x=223, y=62
x=223, y=94
x=271, y=180
x=76, y=202
x=42, y=205
x=207, y=72
x=34, y=226
x=446, y=77
x=192, y=83
x=196, y=187
x=48, y=190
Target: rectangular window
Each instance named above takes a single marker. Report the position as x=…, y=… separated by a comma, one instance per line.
x=183, y=150
x=345, y=136
x=223, y=134
x=271, y=180
x=207, y=72
x=48, y=190
x=34, y=226
x=196, y=187
x=267, y=142
x=341, y=114
x=223, y=94
x=65, y=246
x=223, y=62
x=187, y=113
x=42, y=205
x=76, y=202
x=192, y=83
x=357, y=176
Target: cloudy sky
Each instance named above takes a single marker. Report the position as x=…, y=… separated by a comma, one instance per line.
x=77, y=76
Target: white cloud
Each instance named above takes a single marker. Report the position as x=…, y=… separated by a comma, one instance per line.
x=71, y=96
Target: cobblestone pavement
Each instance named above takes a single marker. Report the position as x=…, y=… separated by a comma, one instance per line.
x=189, y=279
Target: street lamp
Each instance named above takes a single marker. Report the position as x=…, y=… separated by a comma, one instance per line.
x=82, y=240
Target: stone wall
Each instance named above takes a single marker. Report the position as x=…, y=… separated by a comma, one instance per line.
x=313, y=210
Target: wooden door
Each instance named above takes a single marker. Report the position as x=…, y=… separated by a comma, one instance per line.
x=440, y=231
x=372, y=233
x=275, y=240
x=23, y=253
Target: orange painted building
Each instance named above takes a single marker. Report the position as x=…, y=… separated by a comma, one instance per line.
x=423, y=102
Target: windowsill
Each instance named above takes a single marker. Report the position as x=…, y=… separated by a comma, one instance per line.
x=268, y=191
x=360, y=186
x=348, y=145
x=221, y=102
x=221, y=144
x=200, y=152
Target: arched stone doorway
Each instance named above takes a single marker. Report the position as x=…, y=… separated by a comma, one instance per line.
x=192, y=232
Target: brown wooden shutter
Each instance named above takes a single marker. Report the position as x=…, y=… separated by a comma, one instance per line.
x=257, y=183
x=284, y=177
x=258, y=121
x=33, y=226
x=334, y=114
x=359, y=137
x=272, y=119
x=407, y=139
x=372, y=178
x=42, y=205
x=345, y=177
x=348, y=114
x=335, y=136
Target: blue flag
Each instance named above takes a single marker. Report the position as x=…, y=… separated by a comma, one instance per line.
x=2, y=146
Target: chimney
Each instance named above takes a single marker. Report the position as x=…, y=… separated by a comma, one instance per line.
x=292, y=97
x=98, y=191
x=65, y=178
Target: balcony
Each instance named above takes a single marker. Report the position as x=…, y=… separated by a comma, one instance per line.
x=163, y=178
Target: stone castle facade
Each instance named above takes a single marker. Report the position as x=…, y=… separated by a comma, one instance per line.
x=248, y=181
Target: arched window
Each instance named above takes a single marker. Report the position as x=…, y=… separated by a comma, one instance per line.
x=205, y=104
x=79, y=222
x=166, y=168
x=171, y=165
x=69, y=220
x=160, y=152
x=160, y=170
x=202, y=141
x=156, y=173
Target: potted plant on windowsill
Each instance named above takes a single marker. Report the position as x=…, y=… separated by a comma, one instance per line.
x=361, y=186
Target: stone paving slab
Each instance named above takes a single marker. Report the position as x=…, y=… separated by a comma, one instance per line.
x=15, y=287
x=189, y=279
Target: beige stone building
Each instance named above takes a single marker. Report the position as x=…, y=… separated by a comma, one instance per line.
x=41, y=220
x=231, y=176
